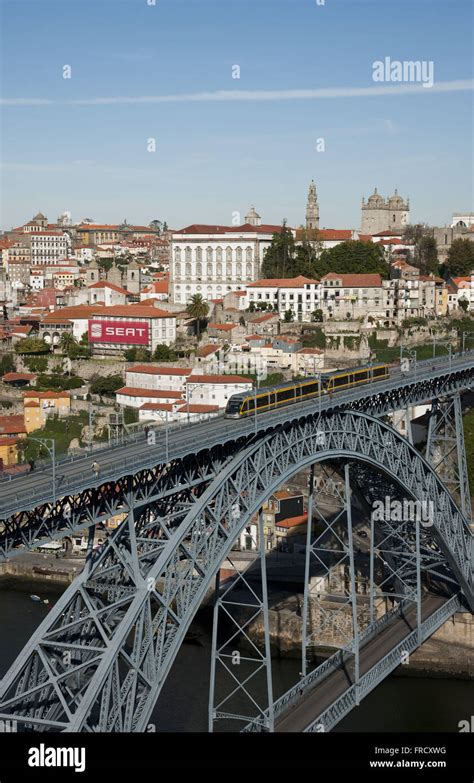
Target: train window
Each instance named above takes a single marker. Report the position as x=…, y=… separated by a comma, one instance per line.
x=361, y=375
x=262, y=401
x=251, y=404
x=341, y=380
x=311, y=388
x=380, y=371
x=285, y=394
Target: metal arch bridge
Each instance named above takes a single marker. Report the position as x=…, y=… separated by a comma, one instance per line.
x=101, y=656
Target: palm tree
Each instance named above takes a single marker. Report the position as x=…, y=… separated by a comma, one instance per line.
x=198, y=309
x=67, y=341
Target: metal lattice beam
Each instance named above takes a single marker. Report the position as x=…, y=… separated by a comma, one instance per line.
x=124, y=620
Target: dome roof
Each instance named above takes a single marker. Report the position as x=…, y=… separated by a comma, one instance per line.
x=252, y=213
x=376, y=198
x=39, y=216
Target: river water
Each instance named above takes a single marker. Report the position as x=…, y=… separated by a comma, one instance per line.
x=398, y=704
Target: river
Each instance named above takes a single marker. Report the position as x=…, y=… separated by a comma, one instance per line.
x=398, y=704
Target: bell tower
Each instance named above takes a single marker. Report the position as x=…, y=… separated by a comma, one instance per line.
x=312, y=208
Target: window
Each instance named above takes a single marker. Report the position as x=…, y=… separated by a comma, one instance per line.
x=209, y=270
x=239, y=269
x=187, y=254
x=219, y=269
x=199, y=268
x=219, y=254
x=228, y=270
x=238, y=254
x=209, y=254
x=199, y=254
x=248, y=254
x=248, y=269
x=228, y=254
x=188, y=270
x=177, y=254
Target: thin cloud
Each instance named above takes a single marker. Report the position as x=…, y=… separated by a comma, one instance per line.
x=256, y=95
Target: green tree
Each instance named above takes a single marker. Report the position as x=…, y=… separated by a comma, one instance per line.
x=67, y=343
x=31, y=345
x=137, y=354
x=460, y=260
x=37, y=363
x=7, y=364
x=352, y=257
x=463, y=303
x=279, y=260
x=289, y=316
x=163, y=353
x=317, y=315
x=426, y=255
x=198, y=309
x=107, y=385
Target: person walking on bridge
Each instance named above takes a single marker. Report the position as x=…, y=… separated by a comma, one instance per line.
x=96, y=468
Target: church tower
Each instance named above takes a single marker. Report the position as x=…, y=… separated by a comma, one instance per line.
x=312, y=208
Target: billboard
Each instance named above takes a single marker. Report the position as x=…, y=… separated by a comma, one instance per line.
x=123, y=332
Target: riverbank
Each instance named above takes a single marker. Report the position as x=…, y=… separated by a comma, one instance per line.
x=449, y=653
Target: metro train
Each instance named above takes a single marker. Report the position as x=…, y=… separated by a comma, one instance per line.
x=243, y=404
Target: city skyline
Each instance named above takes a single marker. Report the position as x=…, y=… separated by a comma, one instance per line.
x=165, y=73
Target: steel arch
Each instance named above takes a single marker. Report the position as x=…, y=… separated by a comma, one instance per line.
x=102, y=607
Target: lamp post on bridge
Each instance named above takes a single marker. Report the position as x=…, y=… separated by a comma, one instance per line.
x=51, y=449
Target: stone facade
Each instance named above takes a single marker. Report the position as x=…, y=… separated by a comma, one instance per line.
x=380, y=214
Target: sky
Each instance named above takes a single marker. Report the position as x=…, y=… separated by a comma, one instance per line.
x=162, y=70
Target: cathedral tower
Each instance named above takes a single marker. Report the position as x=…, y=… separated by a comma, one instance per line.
x=312, y=208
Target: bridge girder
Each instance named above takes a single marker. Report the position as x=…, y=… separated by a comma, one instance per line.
x=123, y=620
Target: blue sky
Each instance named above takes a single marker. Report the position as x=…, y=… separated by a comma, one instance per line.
x=165, y=72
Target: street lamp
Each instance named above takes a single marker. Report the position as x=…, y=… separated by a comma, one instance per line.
x=51, y=449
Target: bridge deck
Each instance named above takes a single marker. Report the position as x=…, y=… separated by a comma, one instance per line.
x=313, y=704
x=28, y=491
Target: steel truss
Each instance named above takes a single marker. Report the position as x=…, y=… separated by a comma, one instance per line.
x=240, y=676
x=100, y=658
x=29, y=518
x=445, y=449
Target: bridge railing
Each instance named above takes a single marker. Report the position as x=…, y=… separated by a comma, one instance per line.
x=299, y=691
x=351, y=697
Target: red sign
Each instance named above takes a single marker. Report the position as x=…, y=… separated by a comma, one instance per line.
x=128, y=332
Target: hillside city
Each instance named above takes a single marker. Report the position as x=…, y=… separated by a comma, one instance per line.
x=107, y=329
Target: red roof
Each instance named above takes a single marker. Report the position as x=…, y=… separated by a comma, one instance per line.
x=138, y=310
x=206, y=350
x=197, y=408
x=159, y=287
x=223, y=327
x=157, y=406
x=355, y=281
x=335, y=234
x=47, y=395
x=218, y=379
x=133, y=391
x=12, y=425
x=293, y=521
x=203, y=228
x=282, y=282
x=112, y=286
x=260, y=319
x=151, y=369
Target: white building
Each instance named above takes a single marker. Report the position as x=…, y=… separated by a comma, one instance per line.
x=165, y=413
x=148, y=376
x=299, y=294
x=215, y=389
x=213, y=260
x=47, y=247
x=462, y=219
x=135, y=397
